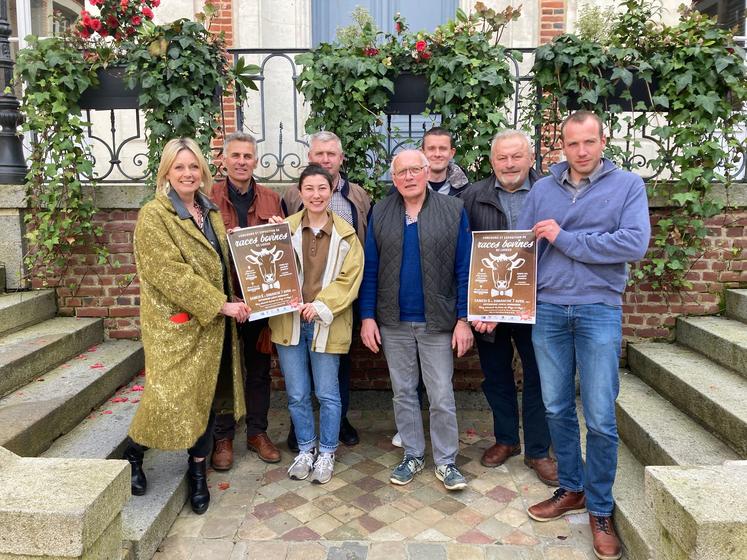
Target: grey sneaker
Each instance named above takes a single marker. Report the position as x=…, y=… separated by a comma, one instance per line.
x=406, y=470
x=301, y=466
x=451, y=477
x=324, y=466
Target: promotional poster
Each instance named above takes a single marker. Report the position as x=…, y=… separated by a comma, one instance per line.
x=503, y=277
x=266, y=267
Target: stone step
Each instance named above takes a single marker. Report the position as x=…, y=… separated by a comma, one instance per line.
x=145, y=519
x=721, y=339
x=713, y=395
x=736, y=304
x=659, y=434
x=51, y=405
x=22, y=309
x=32, y=351
x=634, y=520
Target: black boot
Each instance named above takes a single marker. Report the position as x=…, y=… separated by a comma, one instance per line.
x=292, y=441
x=199, y=495
x=134, y=456
x=348, y=434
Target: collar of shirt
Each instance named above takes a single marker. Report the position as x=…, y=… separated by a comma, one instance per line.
x=182, y=211
x=565, y=178
x=236, y=191
x=340, y=185
x=326, y=228
x=525, y=186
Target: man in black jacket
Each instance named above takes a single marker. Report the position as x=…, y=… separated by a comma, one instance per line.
x=495, y=204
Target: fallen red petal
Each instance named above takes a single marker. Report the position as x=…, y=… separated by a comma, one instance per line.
x=223, y=485
x=135, y=401
x=107, y=412
x=137, y=388
x=120, y=399
x=97, y=365
x=92, y=349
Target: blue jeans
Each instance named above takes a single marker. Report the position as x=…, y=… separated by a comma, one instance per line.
x=590, y=337
x=496, y=361
x=295, y=361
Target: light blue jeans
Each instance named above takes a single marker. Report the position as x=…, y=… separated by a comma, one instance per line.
x=299, y=363
x=588, y=337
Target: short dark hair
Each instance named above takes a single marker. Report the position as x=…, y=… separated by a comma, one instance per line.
x=579, y=117
x=315, y=169
x=438, y=131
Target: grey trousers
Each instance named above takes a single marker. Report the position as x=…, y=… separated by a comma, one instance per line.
x=402, y=345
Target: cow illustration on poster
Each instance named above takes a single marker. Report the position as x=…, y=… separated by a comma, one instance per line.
x=503, y=277
x=266, y=268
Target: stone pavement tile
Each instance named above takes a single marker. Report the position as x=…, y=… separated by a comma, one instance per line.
x=475, y=537
x=239, y=551
x=470, y=517
x=289, y=500
x=175, y=548
x=486, y=507
x=328, y=502
x=323, y=524
x=387, y=551
x=313, y=491
x=305, y=551
x=466, y=496
x=367, y=502
x=448, y=505
x=506, y=552
x=367, y=466
x=501, y=494
x=369, y=483
x=349, y=458
x=558, y=529
x=408, y=504
x=429, y=515
x=423, y=551
x=275, y=474
x=566, y=553
x=452, y=527
x=345, y=532
x=348, y=493
x=282, y=523
x=266, y=510
x=513, y=517
x=387, y=514
x=272, y=491
x=348, y=551
x=345, y=513
x=209, y=549
x=306, y=512
x=349, y=475
x=221, y=527
x=257, y=532
x=301, y=534
x=428, y=494
x=389, y=493
x=385, y=534
x=409, y=526
x=432, y=535
x=187, y=526
x=464, y=552
x=494, y=529
x=365, y=524
x=333, y=485
x=521, y=538
x=265, y=550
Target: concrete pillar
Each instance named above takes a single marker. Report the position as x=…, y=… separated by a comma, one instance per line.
x=12, y=230
x=700, y=512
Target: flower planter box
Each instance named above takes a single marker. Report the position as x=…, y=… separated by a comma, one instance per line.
x=639, y=91
x=410, y=95
x=112, y=91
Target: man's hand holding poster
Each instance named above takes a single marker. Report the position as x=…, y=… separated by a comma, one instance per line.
x=503, y=277
x=266, y=267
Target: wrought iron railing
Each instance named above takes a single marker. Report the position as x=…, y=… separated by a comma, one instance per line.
x=276, y=114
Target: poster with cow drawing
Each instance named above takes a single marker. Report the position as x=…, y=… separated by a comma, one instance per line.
x=266, y=266
x=503, y=277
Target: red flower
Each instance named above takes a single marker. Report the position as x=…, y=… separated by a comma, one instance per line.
x=420, y=46
x=124, y=3
x=96, y=2
x=136, y=20
x=398, y=27
x=118, y=36
x=370, y=51
x=425, y=55
x=95, y=24
x=147, y=12
x=155, y=3
x=112, y=22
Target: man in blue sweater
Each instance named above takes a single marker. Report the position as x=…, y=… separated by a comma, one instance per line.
x=591, y=219
x=413, y=302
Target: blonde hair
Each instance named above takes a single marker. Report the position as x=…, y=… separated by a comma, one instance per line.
x=170, y=151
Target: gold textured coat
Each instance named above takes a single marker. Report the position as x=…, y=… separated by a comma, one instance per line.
x=180, y=272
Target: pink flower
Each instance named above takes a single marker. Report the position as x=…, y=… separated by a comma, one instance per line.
x=95, y=24
x=112, y=22
x=124, y=3
x=425, y=55
x=155, y=3
x=420, y=46
x=136, y=20
x=370, y=51
x=83, y=32
x=398, y=27
x=96, y=2
x=147, y=12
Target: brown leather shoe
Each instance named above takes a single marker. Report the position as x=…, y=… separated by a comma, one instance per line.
x=498, y=454
x=222, y=457
x=606, y=544
x=265, y=449
x=562, y=503
x=546, y=469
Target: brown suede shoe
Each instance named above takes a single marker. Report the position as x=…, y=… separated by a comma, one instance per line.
x=222, y=457
x=606, y=544
x=562, y=503
x=546, y=469
x=498, y=454
x=265, y=449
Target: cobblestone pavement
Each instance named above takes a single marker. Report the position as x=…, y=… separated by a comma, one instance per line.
x=257, y=512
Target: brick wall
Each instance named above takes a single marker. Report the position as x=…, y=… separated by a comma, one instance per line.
x=90, y=290
x=552, y=19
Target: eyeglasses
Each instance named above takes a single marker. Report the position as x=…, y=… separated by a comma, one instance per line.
x=414, y=171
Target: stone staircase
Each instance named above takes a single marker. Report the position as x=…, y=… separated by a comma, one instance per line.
x=67, y=393
x=680, y=404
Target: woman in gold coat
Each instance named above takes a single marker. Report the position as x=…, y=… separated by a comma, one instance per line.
x=186, y=309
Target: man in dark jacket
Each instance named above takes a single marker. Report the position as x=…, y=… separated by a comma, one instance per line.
x=242, y=203
x=446, y=177
x=352, y=203
x=495, y=204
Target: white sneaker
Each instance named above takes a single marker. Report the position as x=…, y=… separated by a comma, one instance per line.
x=324, y=466
x=397, y=440
x=301, y=466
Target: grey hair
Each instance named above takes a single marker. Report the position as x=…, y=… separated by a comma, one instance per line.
x=239, y=137
x=511, y=133
x=325, y=136
x=423, y=159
